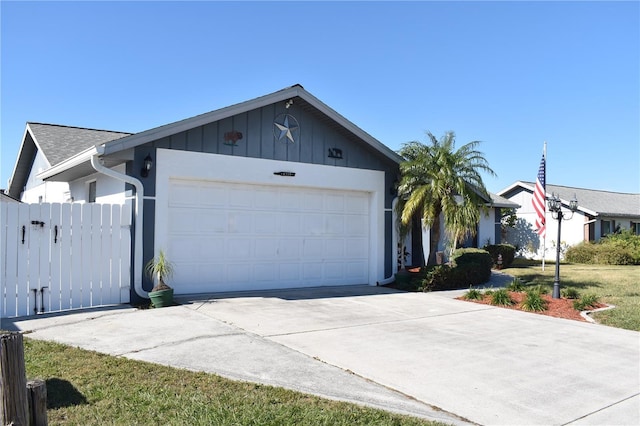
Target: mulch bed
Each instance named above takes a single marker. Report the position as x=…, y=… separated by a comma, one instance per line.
x=559, y=308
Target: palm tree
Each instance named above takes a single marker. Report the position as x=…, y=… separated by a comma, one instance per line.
x=436, y=179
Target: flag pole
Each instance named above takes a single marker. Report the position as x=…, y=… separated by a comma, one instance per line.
x=544, y=236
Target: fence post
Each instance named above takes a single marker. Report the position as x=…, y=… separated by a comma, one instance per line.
x=13, y=381
x=37, y=402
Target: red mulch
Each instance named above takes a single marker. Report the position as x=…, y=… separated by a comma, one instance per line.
x=559, y=308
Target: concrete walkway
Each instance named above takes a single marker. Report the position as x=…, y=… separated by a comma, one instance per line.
x=423, y=354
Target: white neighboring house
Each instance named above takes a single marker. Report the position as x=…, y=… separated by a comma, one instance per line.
x=45, y=146
x=599, y=213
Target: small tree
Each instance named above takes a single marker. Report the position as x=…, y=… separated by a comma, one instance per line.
x=159, y=268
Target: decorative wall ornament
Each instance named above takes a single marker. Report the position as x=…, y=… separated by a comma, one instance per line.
x=286, y=128
x=232, y=137
x=335, y=153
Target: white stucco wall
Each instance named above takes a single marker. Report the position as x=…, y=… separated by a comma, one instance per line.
x=528, y=243
x=487, y=228
x=108, y=189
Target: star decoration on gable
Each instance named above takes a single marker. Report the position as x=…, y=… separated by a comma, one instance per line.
x=285, y=127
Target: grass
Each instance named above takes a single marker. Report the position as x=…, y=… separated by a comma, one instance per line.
x=501, y=297
x=615, y=285
x=88, y=388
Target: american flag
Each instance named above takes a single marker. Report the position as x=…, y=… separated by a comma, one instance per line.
x=538, y=200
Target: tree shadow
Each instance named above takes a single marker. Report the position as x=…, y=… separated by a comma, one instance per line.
x=523, y=237
x=61, y=393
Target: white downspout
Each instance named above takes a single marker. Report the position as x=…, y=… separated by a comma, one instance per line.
x=96, y=163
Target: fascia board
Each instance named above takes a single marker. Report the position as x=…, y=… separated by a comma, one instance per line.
x=220, y=114
x=200, y=120
x=76, y=160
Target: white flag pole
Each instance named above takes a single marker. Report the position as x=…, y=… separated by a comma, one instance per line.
x=544, y=237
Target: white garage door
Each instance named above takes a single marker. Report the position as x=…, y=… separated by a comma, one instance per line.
x=231, y=237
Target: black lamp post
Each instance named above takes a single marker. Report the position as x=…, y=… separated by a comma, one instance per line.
x=555, y=206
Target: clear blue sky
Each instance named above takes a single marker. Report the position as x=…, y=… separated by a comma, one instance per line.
x=510, y=74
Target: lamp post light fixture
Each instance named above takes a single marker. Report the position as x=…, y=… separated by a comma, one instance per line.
x=555, y=206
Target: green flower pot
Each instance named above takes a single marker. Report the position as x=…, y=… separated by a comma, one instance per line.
x=161, y=298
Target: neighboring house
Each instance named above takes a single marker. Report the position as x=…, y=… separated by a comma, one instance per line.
x=45, y=146
x=276, y=192
x=599, y=213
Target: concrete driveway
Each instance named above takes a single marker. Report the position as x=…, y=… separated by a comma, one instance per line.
x=424, y=354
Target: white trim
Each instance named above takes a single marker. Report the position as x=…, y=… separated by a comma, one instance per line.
x=225, y=168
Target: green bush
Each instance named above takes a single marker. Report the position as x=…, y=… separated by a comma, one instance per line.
x=472, y=266
x=615, y=249
x=584, y=252
x=586, y=301
x=472, y=294
x=507, y=251
x=438, y=277
x=501, y=297
x=534, y=302
x=570, y=293
x=516, y=285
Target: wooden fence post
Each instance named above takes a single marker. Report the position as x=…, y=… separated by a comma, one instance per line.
x=13, y=381
x=37, y=390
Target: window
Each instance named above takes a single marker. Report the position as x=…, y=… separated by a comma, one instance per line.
x=605, y=227
x=92, y=192
x=635, y=228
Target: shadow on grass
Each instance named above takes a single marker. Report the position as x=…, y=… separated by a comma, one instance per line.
x=61, y=393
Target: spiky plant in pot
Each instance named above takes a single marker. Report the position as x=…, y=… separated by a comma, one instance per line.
x=159, y=268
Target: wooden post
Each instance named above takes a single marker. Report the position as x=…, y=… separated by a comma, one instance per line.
x=37, y=402
x=13, y=381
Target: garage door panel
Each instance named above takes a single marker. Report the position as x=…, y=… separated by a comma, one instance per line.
x=239, y=236
x=313, y=248
x=356, y=226
x=334, y=224
x=240, y=222
x=238, y=248
x=290, y=223
x=334, y=248
x=289, y=200
x=266, y=223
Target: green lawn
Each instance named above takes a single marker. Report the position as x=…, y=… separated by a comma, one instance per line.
x=616, y=285
x=86, y=388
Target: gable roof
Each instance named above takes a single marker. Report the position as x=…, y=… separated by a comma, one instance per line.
x=301, y=98
x=56, y=143
x=590, y=201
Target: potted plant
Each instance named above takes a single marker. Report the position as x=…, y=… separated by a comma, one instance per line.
x=158, y=269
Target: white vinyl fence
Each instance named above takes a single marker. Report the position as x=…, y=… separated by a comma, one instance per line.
x=55, y=257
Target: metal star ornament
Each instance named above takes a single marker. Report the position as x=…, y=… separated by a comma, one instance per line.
x=285, y=126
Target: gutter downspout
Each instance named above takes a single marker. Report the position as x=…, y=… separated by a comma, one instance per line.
x=96, y=163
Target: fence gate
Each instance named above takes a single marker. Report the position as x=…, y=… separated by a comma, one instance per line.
x=55, y=257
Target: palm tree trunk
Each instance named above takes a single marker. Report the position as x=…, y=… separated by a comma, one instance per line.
x=434, y=238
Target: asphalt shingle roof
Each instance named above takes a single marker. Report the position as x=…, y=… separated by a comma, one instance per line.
x=59, y=143
x=604, y=203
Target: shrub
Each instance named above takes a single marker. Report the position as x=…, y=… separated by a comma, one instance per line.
x=534, y=302
x=615, y=249
x=570, y=293
x=472, y=294
x=584, y=252
x=586, y=301
x=472, y=266
x=438, y=277
x=507, y=251
x=516, y=285
x=501, y=297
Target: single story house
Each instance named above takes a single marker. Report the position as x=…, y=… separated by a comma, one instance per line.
x=279, y=191
x=599, y=213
